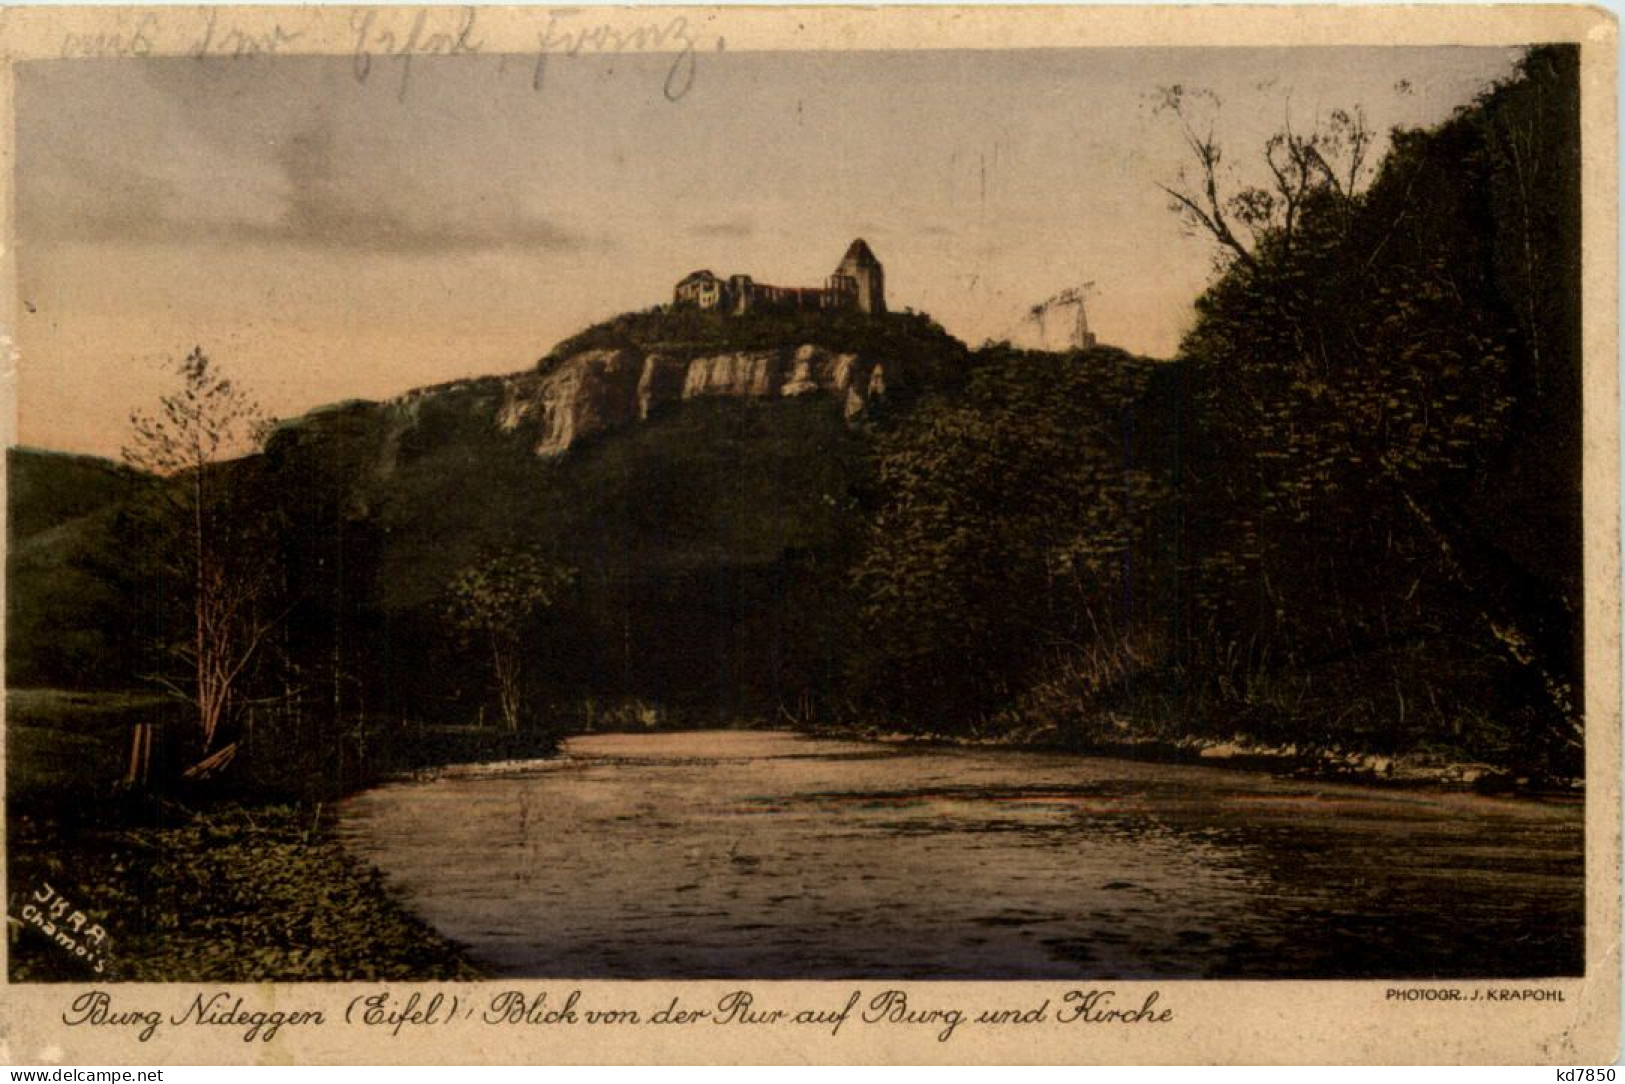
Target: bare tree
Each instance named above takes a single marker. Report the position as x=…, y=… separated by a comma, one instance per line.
x=1331, y=159
x=201, y=537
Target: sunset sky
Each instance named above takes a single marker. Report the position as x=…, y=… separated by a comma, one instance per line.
x=326, y=238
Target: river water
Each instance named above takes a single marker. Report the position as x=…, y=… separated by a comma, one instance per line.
x=731, y=854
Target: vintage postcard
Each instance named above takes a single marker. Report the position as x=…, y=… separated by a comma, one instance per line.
x=1021, y=534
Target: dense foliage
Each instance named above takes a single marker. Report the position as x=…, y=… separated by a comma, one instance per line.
x=1012, y=520
x=493, y=607
x=1382, y=485
x=1365, y=532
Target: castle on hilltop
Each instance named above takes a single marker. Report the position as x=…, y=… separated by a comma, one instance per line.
x=858, y=284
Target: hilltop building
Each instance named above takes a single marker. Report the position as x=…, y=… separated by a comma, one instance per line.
x=857, y=285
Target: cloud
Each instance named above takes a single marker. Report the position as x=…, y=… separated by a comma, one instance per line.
x=384, y=229
x=311, y=202
x=324, y=209
x=728, y=230
x=93, y=205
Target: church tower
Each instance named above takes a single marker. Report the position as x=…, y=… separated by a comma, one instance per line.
x=860, y=265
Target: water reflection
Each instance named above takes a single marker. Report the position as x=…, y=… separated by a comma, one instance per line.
x=736, y=854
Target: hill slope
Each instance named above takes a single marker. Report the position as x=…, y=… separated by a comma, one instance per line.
x=697, y=472
x=708, y=479
x=47, y=489
x=67, y=616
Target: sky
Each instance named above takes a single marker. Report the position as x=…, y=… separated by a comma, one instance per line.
x=325, y=237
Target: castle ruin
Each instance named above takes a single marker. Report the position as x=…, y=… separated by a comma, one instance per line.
x=858, y=284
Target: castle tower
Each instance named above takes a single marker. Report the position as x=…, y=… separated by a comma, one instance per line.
x=860, y=264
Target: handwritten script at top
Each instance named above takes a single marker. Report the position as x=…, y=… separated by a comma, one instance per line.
x=196, y=34
x=399, y=36
x=563, y=35
x=379, y=34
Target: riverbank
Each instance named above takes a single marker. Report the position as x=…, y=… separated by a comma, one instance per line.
x=227, y=894
x=1437, y=769
x=1425, y=770
x=212, y=888
x=234, y=878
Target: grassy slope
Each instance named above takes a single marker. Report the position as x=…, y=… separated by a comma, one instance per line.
x=61, y=741
x=48, y=489
x=66, y=623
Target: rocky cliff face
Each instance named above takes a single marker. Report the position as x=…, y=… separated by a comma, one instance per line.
x=599, y=390
x=589, y=392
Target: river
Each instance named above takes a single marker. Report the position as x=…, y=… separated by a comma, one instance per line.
x=727, y=854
